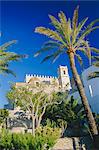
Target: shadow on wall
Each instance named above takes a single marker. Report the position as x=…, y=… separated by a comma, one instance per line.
x=82, y=143
x=94, y=101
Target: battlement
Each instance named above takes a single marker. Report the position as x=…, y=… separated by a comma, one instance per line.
x=41, y=77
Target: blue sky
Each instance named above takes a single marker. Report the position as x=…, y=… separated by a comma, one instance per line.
x=18, y=21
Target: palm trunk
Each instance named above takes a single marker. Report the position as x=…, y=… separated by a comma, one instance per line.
x=89, y=115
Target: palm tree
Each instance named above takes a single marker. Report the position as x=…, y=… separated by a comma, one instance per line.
x=69, y=37
x=94, y=74
x=6, y=57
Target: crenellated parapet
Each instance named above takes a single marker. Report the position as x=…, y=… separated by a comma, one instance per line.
x=40, y=77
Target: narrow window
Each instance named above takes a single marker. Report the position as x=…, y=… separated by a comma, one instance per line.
x=64, y=72
x=37, y=83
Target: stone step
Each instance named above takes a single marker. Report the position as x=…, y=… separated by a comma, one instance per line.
x=67, y=144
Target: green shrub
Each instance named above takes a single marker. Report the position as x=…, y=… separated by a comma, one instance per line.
x=19, y=141
x=44, y=139
x=49, y=135
x=5, y=140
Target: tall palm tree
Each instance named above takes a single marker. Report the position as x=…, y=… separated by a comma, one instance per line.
x=69, y=37
x=6, y=57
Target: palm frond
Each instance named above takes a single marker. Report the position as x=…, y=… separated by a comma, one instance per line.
x=49, y=33
x=82, y=49
x=4, y=54
x=55, y=55
x=95, y=61
x=75, y=18
x=52, y=43
x=77, y=31
x=7, y=57
x=5, y=70
x=88, y=51
x=96, y=64
x=3, y=63
x=92, y=24
x=90, y=28
x=93, y=75
x=58, y=26
x=96, y=58
x=94, y=49
x=66, y=27
x=79, y=44
x=55, y=22
x=7, y=44
x=83, y=46
x=13, y=57
x=62, y=18
x=69, y=31
x=10, y=56
x=75, y=103
x=44, y=49
x=79, y=58
x=47, y=58
x=87, y=31
x=81, y=24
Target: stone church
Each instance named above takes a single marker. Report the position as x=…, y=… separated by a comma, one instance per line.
x=62, y=82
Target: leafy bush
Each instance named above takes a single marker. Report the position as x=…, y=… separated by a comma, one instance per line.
x=49, y=135
x=44, y=139
x=69, y=116
x=5, y=140
x=3, y=115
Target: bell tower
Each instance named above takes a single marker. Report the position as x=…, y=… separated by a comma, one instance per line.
x=63, y=77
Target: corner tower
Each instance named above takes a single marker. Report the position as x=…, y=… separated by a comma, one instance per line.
x=63, y=77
